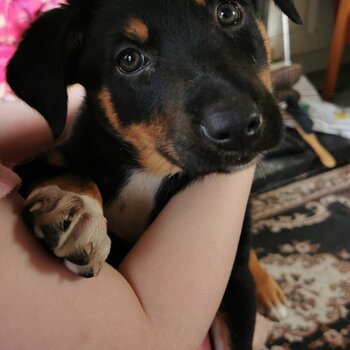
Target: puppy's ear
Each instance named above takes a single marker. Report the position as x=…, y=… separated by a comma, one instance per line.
x=288, y=7
x=46, y=61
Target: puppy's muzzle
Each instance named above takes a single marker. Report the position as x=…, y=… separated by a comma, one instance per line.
x=233, y=125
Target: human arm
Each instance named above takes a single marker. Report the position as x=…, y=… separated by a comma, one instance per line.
x=196, y=238
x=24, y=133
x=166, y=292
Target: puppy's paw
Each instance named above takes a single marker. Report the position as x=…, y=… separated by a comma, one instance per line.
x=271, y=300
x=72, y=225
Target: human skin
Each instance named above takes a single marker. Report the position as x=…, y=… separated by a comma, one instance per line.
x=164, y=295
x=24, y=132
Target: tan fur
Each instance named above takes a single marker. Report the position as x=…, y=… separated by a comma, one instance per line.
x=256, y=269
x=201, y=2
x=136, y=30
x=265, y=75
x=75, y=184
x=145, y=138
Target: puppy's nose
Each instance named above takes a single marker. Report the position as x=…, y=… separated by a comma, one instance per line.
x=232, y=129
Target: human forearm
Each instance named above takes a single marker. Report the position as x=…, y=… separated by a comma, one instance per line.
x=180, y=267
x=24, y=133
x=173, y=280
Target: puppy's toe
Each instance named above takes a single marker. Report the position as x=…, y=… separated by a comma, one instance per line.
x=89, y=265
x=278, y=312
x=43, y=199
x=51, y=213
x=85, y=256
x=82, y=271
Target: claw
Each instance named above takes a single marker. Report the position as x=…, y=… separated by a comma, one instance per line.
x=278, y=312
x=36, y=207
x=80, y=259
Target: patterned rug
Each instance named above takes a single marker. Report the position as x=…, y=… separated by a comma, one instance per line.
x=302, y=235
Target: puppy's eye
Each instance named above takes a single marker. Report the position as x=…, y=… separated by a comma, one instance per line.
x=229, y=13
x=131, y=61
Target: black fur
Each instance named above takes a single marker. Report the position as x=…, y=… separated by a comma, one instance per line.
x=241, y=284
x=196, y=68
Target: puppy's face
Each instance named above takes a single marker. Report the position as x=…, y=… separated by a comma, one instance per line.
x=186, y=83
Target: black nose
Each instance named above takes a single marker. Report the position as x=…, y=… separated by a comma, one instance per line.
x=232, y=128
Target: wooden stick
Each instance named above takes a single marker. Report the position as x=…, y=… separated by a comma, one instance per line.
x=325, y=157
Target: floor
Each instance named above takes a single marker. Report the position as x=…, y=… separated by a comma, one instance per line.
x=308, y=252
x=301, y=235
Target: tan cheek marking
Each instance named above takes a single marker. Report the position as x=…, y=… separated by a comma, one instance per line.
x=105, y=100
x=143, y=137
x=265, y=75
x=201, y=2
x=136, y=30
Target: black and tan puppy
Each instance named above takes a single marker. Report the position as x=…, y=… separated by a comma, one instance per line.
x=174, y=90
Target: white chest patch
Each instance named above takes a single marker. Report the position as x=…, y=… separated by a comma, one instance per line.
x=127, y=215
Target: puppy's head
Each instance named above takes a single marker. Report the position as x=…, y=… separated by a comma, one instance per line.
x=185, y=82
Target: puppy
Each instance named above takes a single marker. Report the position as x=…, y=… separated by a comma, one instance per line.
x=175, y=90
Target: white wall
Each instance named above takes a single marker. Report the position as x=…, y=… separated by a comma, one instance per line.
x=309, y=42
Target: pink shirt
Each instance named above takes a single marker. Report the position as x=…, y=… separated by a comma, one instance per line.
x=15, y=16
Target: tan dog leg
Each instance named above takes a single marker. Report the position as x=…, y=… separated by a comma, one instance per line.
x=270, y=297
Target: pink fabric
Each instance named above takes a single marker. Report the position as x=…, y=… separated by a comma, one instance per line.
x=206, y=345
x=8, y=181
x=15, y=16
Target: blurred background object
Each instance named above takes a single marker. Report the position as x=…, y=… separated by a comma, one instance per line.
x=340, y=36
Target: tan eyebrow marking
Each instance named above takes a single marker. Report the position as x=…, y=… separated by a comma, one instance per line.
x=137, y=30
x=201, y=2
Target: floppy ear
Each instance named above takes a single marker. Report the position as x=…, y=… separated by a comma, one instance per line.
x=288, y=7
x=43, y=64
